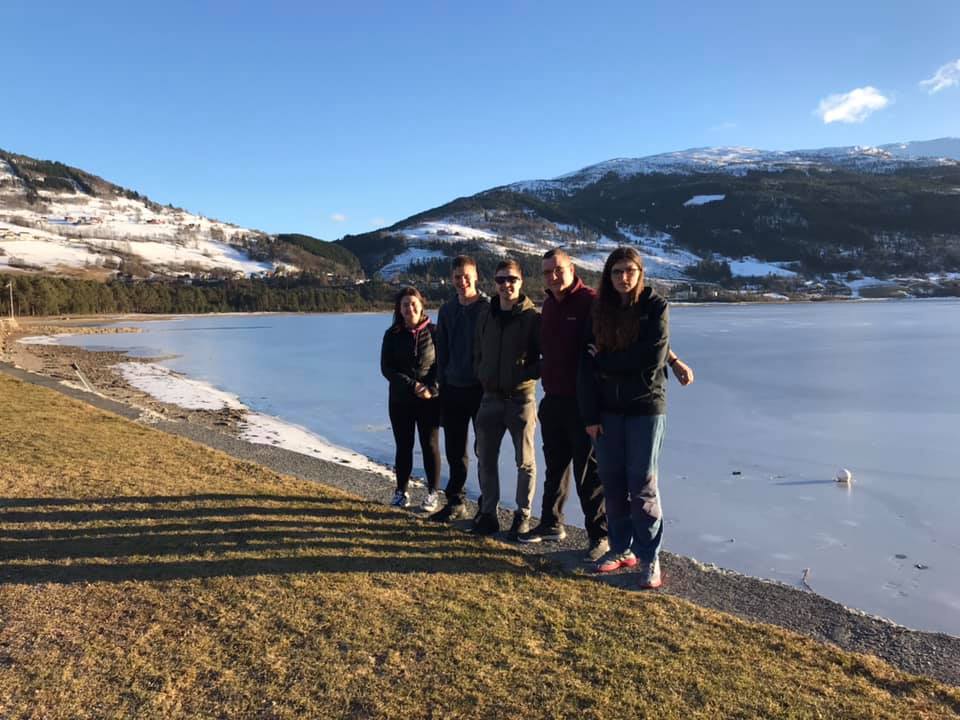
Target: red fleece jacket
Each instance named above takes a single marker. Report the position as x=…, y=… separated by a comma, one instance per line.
x=563, y=326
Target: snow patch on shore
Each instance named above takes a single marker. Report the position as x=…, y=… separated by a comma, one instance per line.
x=167, y=386
x=40, y=340
x=266, y=430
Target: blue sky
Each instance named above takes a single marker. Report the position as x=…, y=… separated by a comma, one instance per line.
x=326, y=120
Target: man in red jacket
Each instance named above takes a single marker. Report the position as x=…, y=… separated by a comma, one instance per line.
x=563, y=324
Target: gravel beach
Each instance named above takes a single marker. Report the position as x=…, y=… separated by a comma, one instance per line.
x=932, y=654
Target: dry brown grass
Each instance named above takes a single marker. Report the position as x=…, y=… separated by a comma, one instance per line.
x=145, y=576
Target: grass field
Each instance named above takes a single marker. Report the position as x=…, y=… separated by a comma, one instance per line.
x=145, y=576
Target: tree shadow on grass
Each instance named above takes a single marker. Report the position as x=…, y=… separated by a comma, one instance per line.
x=67, y=540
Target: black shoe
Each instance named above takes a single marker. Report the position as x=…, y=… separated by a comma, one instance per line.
x=541, y=533
x=450, y=512
x=485, y=524
x=520, y=526
x=479, y=511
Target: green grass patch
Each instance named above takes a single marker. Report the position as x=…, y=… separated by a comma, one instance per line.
x=142, y=575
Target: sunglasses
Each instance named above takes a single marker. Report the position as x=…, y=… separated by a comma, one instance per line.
x=501, y=279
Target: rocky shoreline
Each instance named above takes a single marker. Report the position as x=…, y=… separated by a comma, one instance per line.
x=933, y=654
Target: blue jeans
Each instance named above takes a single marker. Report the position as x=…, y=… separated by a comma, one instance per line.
x=628, y=455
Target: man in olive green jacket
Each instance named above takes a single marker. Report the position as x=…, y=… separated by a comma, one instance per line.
x=507, y=363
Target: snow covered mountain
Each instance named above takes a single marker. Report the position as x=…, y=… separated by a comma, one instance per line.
x=707, y=214
x=742, y=160
x=57, y=218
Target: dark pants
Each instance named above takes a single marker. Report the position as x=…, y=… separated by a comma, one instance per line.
x=564, y=442
x=628, y=454
x=422, y=417
x=460, y=405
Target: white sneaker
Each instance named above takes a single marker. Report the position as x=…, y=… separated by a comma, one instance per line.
x=431, y=502
x=401, y=499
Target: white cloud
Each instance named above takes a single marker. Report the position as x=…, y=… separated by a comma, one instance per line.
x=852, y=107
x=946, y=76
x=338, y=217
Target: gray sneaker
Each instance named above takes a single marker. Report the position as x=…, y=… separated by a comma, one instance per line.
x=650, y=576
x=597, y=549
x=544, y=533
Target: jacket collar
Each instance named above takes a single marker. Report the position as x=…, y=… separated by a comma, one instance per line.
x=574, y=289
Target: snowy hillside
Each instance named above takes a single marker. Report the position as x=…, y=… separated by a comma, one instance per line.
x=96, y=229
x=504, y=234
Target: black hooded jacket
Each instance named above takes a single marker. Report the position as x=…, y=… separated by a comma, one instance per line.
x=632, y=381
x=409, y=356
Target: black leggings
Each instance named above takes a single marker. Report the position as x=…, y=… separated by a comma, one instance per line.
x=424, y=417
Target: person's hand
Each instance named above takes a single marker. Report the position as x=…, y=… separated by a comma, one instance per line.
x=682, y=372
x=594, y=431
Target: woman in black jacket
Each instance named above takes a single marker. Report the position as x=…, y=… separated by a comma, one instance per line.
x=622, y=392
x=408, y=360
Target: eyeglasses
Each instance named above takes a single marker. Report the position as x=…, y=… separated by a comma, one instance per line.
x=627, y=271
x=556, y=272
x=501, y=279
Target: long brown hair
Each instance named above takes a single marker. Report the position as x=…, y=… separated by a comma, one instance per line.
x=408, y=291
x=615, y=325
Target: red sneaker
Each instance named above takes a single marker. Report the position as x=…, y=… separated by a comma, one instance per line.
x=615, y=561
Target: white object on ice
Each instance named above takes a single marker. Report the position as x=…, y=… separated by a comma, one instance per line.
x=844, y=476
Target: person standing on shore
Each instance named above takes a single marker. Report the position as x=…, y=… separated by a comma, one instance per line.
x=622, y=394
x=460, y=391
x=564, y=321
x=408, y=360
x=507, y=363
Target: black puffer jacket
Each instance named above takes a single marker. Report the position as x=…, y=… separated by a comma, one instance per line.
x=632, y=381
x=408, y=357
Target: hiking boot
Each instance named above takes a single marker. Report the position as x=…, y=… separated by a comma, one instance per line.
x=598, y=548
x=520, y=526
x=614, y=561
x=401, y=499
x=544, y=533
x=650, y=576
x=449, y=513
x=431, y=502
x=485, y=524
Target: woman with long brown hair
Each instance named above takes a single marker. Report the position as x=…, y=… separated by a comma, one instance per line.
x=622, y=393
x=408, y=360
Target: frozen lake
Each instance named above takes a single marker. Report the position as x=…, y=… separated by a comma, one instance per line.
x=784, y=395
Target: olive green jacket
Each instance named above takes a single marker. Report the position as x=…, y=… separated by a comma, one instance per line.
x=506, y=348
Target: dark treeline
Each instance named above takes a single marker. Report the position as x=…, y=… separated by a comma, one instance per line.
x=35, y=295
